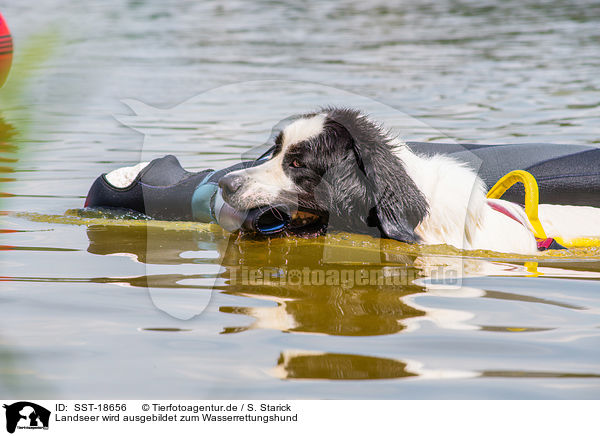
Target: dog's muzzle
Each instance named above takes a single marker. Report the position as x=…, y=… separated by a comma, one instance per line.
x=265, y=220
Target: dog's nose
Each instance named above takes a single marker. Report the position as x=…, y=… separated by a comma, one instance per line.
x=230, y=183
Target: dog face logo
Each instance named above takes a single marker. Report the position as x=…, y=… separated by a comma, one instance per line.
x=26, y=415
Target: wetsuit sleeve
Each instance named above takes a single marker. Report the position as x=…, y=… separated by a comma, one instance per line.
x=164, y=190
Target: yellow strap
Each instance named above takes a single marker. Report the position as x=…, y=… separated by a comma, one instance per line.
x=531, y=196
x=578, y=242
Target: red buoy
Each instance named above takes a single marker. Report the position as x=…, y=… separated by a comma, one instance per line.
x=6, y=50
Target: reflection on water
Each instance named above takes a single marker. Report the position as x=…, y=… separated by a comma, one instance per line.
x=331, y=366
x=377, y=289
x=386, y=305
x=8, y=157
x=339, y=308
x=297, y=280
x=361, y=299
x=171, y=244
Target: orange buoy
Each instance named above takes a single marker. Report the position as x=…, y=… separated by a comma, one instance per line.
x=6, y=50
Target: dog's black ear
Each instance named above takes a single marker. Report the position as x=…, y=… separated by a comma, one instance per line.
x=396, y=205
x=392, y=226
x=399, y=206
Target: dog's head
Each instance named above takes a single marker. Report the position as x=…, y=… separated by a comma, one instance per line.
x=337, y=169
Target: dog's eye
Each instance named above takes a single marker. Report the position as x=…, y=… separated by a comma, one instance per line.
x=296, y=164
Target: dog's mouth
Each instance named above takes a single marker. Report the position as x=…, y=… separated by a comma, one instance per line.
x=305, y=223
x=272, y=219
x=279, y=219
x=302, y=218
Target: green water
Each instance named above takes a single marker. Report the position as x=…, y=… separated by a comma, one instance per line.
x=97, y=307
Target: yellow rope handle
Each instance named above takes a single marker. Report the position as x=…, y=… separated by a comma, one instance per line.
x=578, y=242
x=532, y=196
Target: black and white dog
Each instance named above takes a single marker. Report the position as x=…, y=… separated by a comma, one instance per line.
x=338, y=167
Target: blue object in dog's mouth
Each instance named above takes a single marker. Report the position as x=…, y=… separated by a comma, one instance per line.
x=270, y=220
x=264, y=220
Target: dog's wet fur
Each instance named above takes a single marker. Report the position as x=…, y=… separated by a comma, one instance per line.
x=341, y=167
